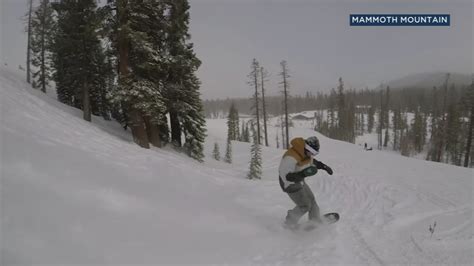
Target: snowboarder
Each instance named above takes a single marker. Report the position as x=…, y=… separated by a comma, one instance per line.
x=297, y=164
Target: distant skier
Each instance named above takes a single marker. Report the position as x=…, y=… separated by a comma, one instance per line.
x=297, y=164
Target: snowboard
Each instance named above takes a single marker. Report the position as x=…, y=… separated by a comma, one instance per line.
x=328, y=218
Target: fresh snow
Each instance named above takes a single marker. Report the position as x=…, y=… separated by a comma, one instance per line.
x=74, y=192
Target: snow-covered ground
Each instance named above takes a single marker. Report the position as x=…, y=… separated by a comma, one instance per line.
x=73, y=192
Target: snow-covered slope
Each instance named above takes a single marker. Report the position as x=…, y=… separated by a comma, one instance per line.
x=73, y=192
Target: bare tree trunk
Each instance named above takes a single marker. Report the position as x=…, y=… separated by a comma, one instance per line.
x=136, y=122
x=28, y=47
x=138, y=129
x=86, y=101
x=153, y=132
x=175, y=129
x=263, y=75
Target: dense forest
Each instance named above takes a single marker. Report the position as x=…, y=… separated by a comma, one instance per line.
x=127, y=60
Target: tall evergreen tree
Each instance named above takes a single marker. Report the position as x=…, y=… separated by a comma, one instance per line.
x=443, y=130
x=216, y=153
x=41, y=40
x=417, y=131
x=331, y=115
x=228, y=151
x=351, y=122
x=277, y=140
x=247, y=133
x=255, y=171
x=28, y=45
x=137, y=31
x=253, y=81
x=284, y=74
x=233, y=123
x=242, y=132
x=78, y=55
x=396, y=121
x=381, y=121
x=370, y=119
x=469, y=103
x=193, y=121
x=264, y=75
x=405, y=147
x=341, y=112
x=454, y=132
x=434, y=133
x=386, y=116
x=182, y=86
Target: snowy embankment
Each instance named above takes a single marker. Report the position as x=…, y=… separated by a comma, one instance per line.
x=73, y=192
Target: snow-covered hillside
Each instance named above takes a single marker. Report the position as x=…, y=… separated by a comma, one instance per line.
x=73, y=192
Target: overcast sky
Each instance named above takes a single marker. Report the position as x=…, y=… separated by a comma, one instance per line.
x=313, y=36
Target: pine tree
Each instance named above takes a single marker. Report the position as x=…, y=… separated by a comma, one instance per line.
x=381, y=121
x=28, y=45
x=386, y=116
x=417, y=131
x=264, y=75
x=284, y=74
x=232, y=132
x=233, y=123
x=434, y=126
x=397, y=127
x=228, y=151
x=469, y=103
x=370, y=122
x=193, y=122
x=242, y=132
x=137, y=30
x=253, y=81
x=41, y=39
x=442, y=127
x=405, y=148
x=454, y=129
x=351, y=123
x=78, y=56
x=255, y=171
x=277, y=140
x=331, y=116
x=343, y=113
x=247, y=133
x=216, y=153
x=182, y=86
x=454, y=133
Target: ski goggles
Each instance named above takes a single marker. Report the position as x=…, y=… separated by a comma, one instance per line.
x=311, y=150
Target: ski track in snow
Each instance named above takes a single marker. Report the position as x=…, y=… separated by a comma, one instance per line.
x=75, y=192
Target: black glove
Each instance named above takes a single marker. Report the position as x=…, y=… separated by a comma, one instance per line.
x=321, y=165
x=299, y=176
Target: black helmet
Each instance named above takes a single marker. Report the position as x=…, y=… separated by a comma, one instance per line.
x=312, y=145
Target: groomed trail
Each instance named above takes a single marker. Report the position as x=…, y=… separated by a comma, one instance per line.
x=74, y=192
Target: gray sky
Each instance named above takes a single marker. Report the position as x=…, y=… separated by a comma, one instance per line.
x=314, y=36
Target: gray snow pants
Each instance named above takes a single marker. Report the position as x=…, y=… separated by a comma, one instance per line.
x=305, y=202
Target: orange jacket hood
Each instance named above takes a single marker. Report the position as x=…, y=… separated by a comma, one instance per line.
x=297, y=151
